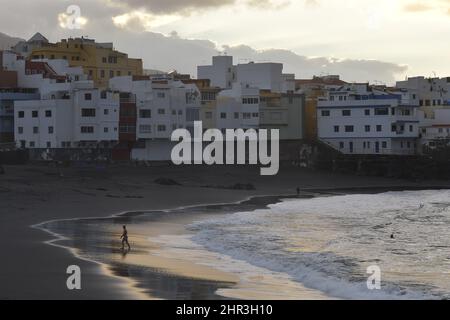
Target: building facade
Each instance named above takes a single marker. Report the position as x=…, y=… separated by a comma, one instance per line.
x=162, y=106
x=83, y=117
x=357, y=119
x=100, y=62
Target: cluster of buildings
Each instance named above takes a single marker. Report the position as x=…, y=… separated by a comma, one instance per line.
x=78, y=94
x=411, y=118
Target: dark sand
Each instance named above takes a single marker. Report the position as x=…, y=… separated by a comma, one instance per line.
x=29, y=195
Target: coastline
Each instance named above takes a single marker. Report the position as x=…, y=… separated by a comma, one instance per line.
x=32, y=194
x=159, y=251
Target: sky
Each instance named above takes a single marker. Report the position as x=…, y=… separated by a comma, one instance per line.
x=363, y=40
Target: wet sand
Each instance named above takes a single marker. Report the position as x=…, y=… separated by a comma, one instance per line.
x=30, y=195
x=159, y=272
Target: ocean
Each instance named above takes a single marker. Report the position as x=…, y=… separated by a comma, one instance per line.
x=327, y=243
x=278, y=248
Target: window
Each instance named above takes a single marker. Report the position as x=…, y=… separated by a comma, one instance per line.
x=255, y=115
x=20, y=130
x=384, y=144
x=21, y=114
x=35, y=130
x=161, y=111
x=126, y=128
x=250, y=101
x=161, y=128
x=50, y=130
x=111, y=73
x=49, y=144
x=102, y=73
x=88, y=112
x=192, y=114
x=32, y=144
x=103, y=95
x=105, y=129
x=367, y=112
x=48, y=113
x=161, y=95
x=349, y=128
x=34, y=114
x=367, y=128
x=180, y=112
x=411, y=128
x=223, y=115
x=236, y=115
x=105, y=112
x=86, y=129
x=346, y=113
x=336, y=128
x=379, y=128
x=87, y=96
x=325, y=113
x=145, y=128
x=341, y=145
x=145, y=113
x=246, y=115
x=382, y=111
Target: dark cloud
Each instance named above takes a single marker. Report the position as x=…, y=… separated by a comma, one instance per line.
x=304, y=67
x=187, y=6
x=174, y=52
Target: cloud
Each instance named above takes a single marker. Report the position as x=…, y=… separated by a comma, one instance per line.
x=186, y=7
x=417, y=6
x=305, y=67
x=138, y=20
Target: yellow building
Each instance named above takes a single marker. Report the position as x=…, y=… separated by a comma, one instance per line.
x=314, y=89
x=99, y=60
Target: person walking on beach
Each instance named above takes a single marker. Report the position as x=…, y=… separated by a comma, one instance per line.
x=124, y=238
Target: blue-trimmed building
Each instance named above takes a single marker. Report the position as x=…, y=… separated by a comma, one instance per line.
x=360, y=119
x=7, y=98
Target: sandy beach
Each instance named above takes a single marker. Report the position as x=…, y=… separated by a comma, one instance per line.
x=30, y=195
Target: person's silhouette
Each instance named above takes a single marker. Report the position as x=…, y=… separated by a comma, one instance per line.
x=124, y=238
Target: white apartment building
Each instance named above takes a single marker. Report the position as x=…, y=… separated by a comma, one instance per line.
x=221, y=72
x=265, y=76
x=81, y=117
x=430, y=91
x=433, y=95
x=434, y=127
x=358, y=119
x=162, y=107
x=238, y=107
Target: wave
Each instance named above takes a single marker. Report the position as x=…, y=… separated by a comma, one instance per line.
x=327, y=243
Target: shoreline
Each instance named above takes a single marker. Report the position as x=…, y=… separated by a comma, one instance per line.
x=230, y=285
x=33, y=194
